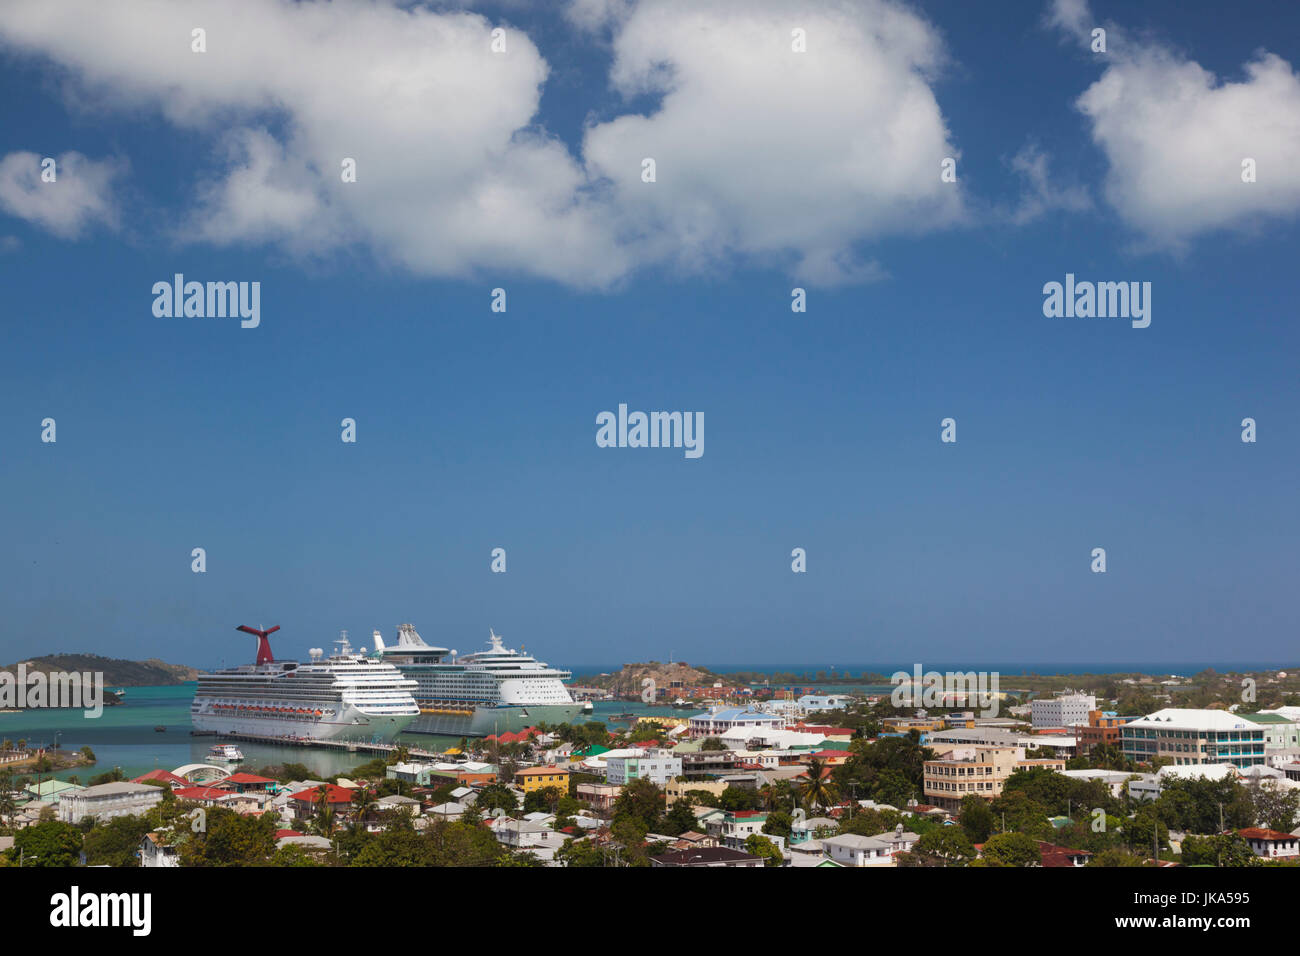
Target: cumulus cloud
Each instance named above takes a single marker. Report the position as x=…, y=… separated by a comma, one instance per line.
x=451, y=176
x=1175, y=136
x=764, y=155
x=80, y=196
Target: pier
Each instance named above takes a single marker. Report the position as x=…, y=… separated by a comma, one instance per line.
x=351, y=746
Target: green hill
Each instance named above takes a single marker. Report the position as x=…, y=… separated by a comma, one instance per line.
x=117, y=673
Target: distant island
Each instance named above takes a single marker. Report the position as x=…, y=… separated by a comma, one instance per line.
x=117, y=672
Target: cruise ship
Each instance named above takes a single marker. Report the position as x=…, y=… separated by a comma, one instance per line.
x=472, y=695
x=347, y=696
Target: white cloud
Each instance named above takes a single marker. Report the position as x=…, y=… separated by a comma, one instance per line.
x=765, y=156
x=79, y=197
x=1043, y=192
x=1175, y=137
x=451, y=180
x=768, y=154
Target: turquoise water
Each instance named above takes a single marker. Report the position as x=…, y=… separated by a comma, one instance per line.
x=124, y=736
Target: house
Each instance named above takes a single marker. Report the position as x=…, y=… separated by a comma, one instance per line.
x=448, y=811
x=899, y=841
x=1059, y=856
x=849, y=849
x=163, y=776
x=539, y=778
x=108, y=800
x=248, y=783
x=654, y=764
x=1271, y=844
x=305, y=802
x=47, y=792
x=154, y=851
x=802, y=831
x=599, y=796
x=706, y=857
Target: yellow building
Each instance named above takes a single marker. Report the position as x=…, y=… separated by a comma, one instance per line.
x=674, y=790
x=922, y=725
x=538, y=778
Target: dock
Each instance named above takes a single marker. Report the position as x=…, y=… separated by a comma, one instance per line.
x=350, y=746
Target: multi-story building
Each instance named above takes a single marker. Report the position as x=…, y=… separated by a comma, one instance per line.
x=653, y=764
x=716, y=722
x=1188, y=737
x=1281, y=736
x=1102, y=727
x=946, y=782
x=108, y=800
x=1063, y=711
x=998, y=737
x=539, y=778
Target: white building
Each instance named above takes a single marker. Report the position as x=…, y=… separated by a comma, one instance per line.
x=1191, y=737
x=1064, y=711
x=154, y=852
x=657, y=766
x=853, y=850
x=718, y=720
x=108, y=800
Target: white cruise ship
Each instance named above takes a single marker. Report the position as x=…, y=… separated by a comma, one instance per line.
x=472, y=695
x=347, y=695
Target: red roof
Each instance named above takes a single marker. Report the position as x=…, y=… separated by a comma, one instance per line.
x=247, y=778
x=281, y=834
x=1259, y=833
x=164, y=776
x=1058, y=855
x=336, y=793
x=833, y=753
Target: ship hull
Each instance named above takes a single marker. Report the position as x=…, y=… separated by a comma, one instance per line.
x=356, y=726
x=493, y=720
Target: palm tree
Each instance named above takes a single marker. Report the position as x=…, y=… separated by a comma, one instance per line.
x=818, y=790
x=323, y=821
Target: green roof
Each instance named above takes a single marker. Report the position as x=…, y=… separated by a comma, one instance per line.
x=594, y=750
x=1266, y=718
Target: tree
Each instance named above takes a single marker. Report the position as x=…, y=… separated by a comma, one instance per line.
x=761, y=846
x=1116, y=857
x=642, y=802
x=580, y=853
x=778, y=823
x=494, y=796
x=712, y=743
x=680, y=818
x=1012, y=849
x=738, y=798
x=816, y=788
x=116, y=842
x=976, y=818
x=1226, y=849
x=946, y=846
x=51, y=843
x=229, y=839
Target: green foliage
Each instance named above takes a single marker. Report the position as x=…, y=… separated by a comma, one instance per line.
x=642, y=802
x=762, y=846
x=946, y=846
x=116, y=842
x=48, y=844
x=738, y=798
x=1012, y=849
x=230, y=840
x=1227, y=849
x=977, y=819
x=778, y=824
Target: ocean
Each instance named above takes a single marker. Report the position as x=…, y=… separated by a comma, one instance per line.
x=124, y=736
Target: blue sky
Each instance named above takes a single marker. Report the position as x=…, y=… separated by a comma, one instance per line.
x=476, y=430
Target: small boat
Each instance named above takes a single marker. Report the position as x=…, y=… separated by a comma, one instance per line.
x=225, y=752
x=588, y=707
x=160, y=729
